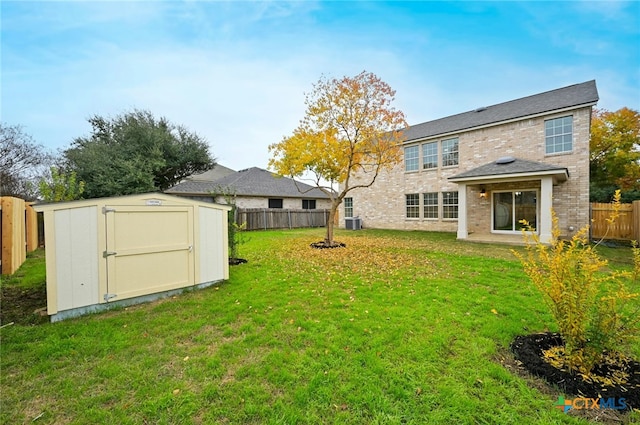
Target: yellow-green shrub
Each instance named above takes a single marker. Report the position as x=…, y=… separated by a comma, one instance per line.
x=589, y=304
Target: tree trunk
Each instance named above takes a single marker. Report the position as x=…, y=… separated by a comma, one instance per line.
x=328, y=240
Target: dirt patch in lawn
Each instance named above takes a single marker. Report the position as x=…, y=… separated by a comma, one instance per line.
x=525, y=360
x=24, y=306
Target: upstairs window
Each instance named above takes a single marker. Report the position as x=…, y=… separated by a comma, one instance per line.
x=430, y=155
x=450, y=152
x=275, y=203
x=558, y=134
x=411, y=154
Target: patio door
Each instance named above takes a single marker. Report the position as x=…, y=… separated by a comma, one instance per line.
x=509, y=208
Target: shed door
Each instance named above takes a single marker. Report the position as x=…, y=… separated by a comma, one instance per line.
x=149, y=250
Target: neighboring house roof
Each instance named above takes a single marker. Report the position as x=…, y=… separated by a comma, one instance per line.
x=250, y=182
x=217, y=172
x=577, y=95
x=511, y=167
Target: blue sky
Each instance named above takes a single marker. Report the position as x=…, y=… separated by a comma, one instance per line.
x=236, y=72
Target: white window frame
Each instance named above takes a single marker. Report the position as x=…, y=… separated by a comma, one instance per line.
x=410, y=160
x=436, y=154
x=453, y=153
x=415, y=206
x=456, y=205
x=431, y=206
x=555, y=135
x=348, y=207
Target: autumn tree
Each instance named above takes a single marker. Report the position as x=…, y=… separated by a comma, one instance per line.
x=22, y=163
x=135, y=153
x=614, y=153
x=349, y=127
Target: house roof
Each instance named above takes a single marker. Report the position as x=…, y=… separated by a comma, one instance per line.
x=217, y=172
x=507, y=167
x=577, y=95
x=250, y=182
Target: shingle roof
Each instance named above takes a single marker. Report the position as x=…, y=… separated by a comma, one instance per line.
x=510, y=165
x=583, y=94
x=217, y=172
x=250, y=182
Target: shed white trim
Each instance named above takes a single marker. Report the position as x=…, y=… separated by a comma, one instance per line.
x=100, y=251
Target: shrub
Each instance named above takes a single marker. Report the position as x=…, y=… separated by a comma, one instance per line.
x=589, y=304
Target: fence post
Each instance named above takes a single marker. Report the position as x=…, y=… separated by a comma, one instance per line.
x=14, y=244
x=31, y=224
x=635, y=223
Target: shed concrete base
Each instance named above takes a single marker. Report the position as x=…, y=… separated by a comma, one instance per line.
x=97, y=308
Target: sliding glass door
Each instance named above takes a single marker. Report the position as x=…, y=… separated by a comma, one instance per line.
x=510, y=208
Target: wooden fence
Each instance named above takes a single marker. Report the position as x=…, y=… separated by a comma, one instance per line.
x=19, y=232
x=277, y=218
x=625, y=227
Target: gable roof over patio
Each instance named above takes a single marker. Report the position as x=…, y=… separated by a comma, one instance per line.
x=570, y=97
x=510, y=168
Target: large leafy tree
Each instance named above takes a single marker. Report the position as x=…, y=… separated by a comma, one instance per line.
x=22, y=163
x=135, y=153
x=614, y=153
x=349, y=128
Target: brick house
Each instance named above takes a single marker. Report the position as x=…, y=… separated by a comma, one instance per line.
x=480, y=172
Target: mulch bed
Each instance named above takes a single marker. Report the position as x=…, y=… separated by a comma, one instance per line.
x=324, y=245
x=528, y=350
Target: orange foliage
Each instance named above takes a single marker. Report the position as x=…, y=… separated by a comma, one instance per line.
x=349, y=127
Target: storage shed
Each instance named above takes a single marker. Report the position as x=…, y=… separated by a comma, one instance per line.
x=130, y=249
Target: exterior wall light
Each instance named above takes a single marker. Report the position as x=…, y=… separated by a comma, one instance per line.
x=483, y=193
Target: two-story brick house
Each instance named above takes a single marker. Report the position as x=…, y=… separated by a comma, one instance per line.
x=480, y=172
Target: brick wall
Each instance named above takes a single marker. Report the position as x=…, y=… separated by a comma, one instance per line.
x=287, y=203
x=383, y=204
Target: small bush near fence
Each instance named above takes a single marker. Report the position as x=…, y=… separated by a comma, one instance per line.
x=276, y=218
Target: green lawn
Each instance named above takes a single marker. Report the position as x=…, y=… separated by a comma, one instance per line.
x=397, y=328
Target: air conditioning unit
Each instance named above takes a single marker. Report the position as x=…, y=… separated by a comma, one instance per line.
x=353, y=223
